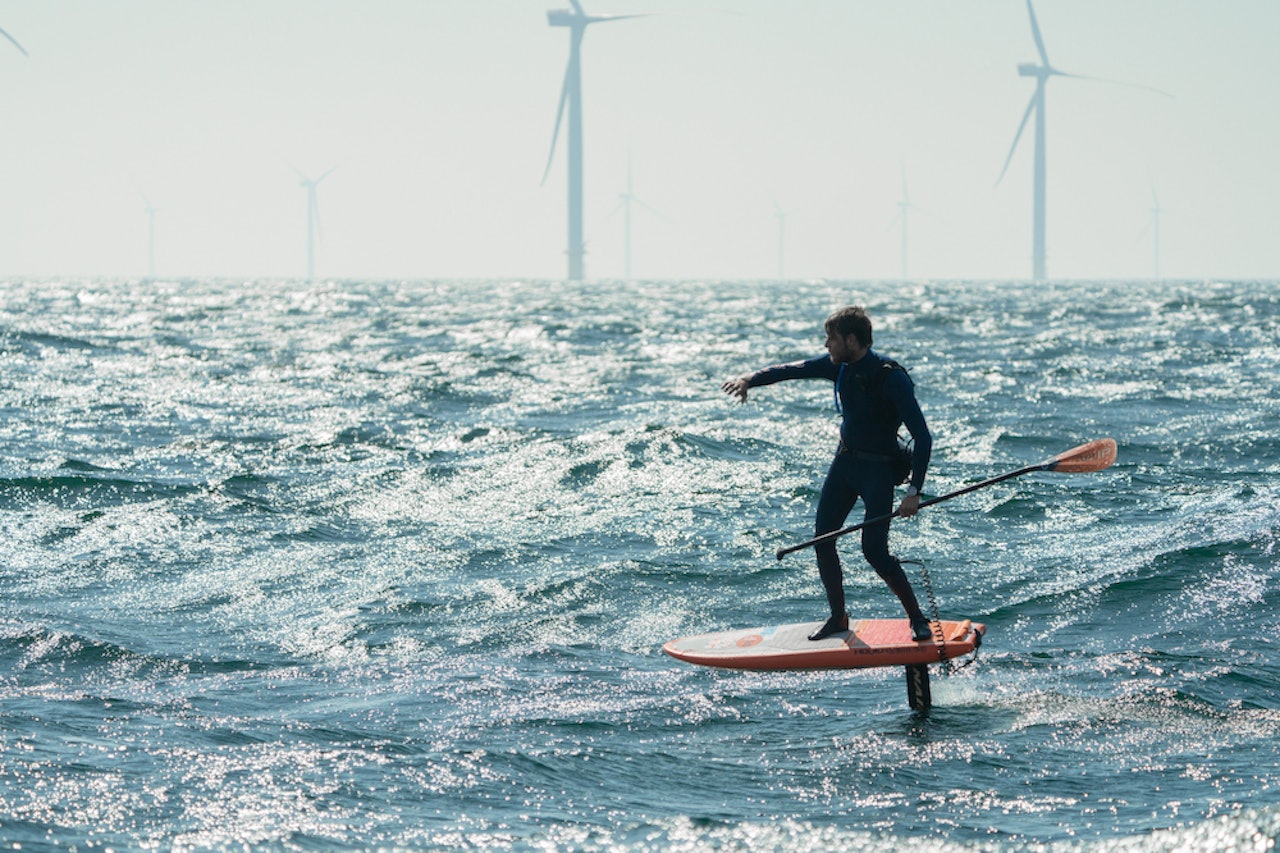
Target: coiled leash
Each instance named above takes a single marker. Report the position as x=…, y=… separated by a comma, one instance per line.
x=935, y=622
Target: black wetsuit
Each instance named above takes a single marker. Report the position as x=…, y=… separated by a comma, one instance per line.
x=875, y=398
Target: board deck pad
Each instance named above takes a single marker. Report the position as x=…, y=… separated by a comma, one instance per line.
x=867, y=643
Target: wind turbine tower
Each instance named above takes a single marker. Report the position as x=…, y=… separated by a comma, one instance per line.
x=151, y=237
x=1155, y=229
x=904, y=207
x=782, y=239
x=576, y=21
x=313, y=217
x=625, y=201
x=627, y=198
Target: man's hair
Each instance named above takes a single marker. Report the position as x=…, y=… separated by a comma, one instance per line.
x=851, y=321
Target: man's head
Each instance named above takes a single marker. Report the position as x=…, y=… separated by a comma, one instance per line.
x=850, y=321
x=848, y=335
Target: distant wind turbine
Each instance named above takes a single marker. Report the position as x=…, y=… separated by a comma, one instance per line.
x=151, y=235
x=15, y=43
x=313, y=217
x=627, y=199
x=904, y=207
x=1042, y=73
x=1154, y=225
x=571, y=97
x=782, y=239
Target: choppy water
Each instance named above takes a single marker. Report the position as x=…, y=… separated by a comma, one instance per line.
x=389, y=565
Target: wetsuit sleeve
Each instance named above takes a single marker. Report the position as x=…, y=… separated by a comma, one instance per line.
x=901, y=392
x=815, y=368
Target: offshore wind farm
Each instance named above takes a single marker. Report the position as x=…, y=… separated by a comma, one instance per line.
x=818, y=106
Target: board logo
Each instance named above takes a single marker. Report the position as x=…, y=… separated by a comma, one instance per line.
x=749, y=641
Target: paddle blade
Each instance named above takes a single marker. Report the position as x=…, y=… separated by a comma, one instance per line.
x=1093, y=456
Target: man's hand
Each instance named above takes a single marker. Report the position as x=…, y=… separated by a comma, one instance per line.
x=736, y=388
x=910, y=506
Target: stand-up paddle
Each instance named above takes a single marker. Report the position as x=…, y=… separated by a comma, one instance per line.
x=1094, y=456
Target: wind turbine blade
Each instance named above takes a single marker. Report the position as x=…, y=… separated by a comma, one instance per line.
x=1058, y=73
x=604, y=19
x=1035, y=33
x=600, y=19
x=1025, y=118
x=15, y=43
x=651, y=209
x=555, y=134
x=326, y=174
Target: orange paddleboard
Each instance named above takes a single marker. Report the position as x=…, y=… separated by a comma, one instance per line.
x=868, y=642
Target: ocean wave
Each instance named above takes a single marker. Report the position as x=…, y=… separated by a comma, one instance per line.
x=91, y=490
x=1247, y=829
x=30, y=648
x=33, y=343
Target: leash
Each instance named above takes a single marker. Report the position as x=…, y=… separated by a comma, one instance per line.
x=939, y=638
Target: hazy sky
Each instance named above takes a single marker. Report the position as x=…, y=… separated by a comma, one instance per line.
x=438, y=114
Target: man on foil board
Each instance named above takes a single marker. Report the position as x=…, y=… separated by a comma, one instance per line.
x=874, y=396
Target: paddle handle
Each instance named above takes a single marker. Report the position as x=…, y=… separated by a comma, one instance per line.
x=1090, y=456
x=836, y=534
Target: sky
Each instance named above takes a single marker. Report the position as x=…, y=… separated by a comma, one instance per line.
x=438, y=115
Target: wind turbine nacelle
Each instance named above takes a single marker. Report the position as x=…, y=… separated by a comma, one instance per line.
x=1030, y=69
x=561, y=18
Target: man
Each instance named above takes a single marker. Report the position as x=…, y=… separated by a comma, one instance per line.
x=875, y=396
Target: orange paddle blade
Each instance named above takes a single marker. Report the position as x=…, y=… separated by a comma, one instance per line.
x=1093, y=456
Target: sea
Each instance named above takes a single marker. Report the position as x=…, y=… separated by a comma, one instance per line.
x=389, y=565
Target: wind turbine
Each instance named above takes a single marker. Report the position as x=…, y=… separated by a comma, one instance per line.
x=626, y=199
x=903, y=207
x=577, y=21
x=151, y=235
x=1154, y=225
x=782, y=238
x=313, y=217
x=1042, y=73
x=15, y=42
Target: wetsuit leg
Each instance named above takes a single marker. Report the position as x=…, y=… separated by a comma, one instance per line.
x=834, y=505
x=877, y=497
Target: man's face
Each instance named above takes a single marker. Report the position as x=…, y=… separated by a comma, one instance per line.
x=844, y=350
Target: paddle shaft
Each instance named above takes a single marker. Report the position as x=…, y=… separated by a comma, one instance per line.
x=836, y=534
